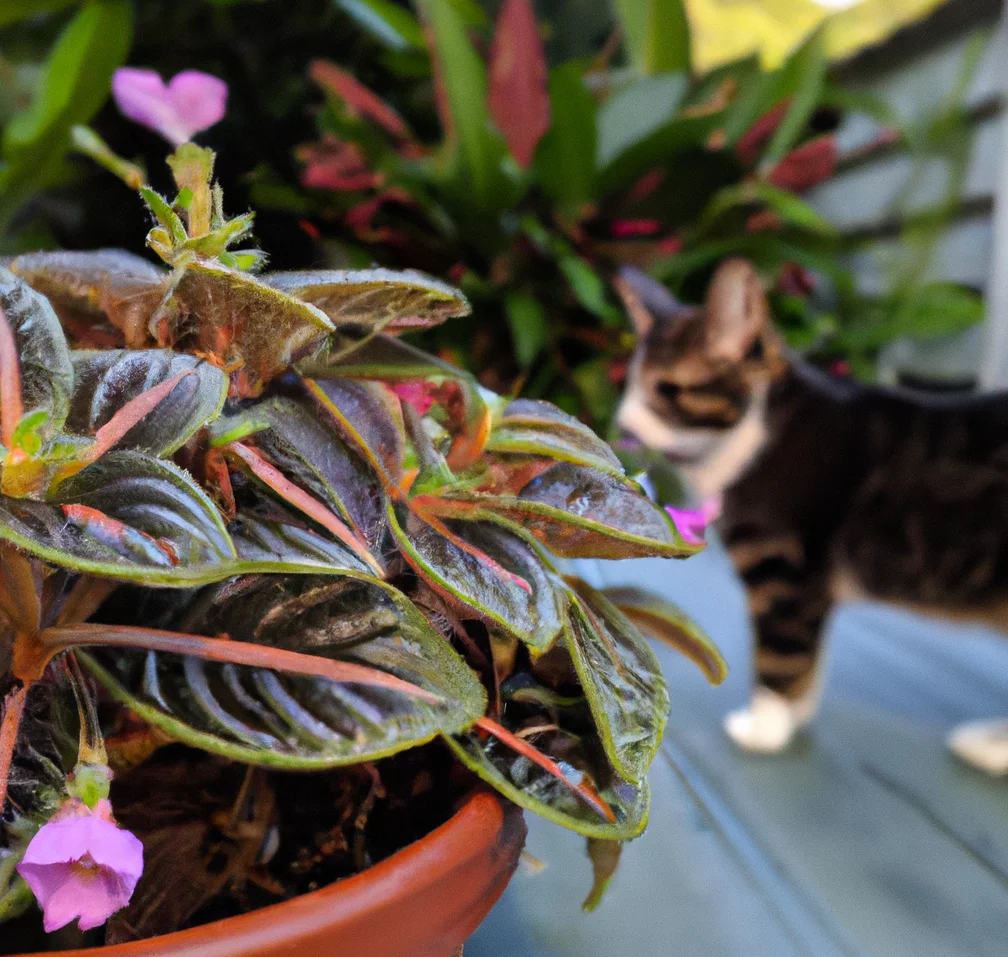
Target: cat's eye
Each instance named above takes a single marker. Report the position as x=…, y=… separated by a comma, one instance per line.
x=668, y=390
x=755, y=352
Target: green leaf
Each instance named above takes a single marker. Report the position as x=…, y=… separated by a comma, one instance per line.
x=605, y=858
x=529, y=326
x=297, y=722
x=536, y=790
x=11, y=11
x=467, y=579
x=375, y=298
x=464, y=80
x=74, y=84
x=662, y=620
x=89, y=287
x=578, y=512
x=531, y=427
x=636, y=112
x=106, y=380
x=589, y=289
x=386, y=21
x=657, y=34
x=805, y=71
x=565, y=160
x=621, y=678
x=45, y=367
x=165, y=215
x=264, y=330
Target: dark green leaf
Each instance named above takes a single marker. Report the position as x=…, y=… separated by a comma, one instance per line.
x=536, y=790
x=578, y=512
x=46, y=370
x=470, y=580
x=375, y=298
x=298, y=722
x=621, y=678
x=529, y=326
x=105, y=381
x=11, y=11
x=386, y=21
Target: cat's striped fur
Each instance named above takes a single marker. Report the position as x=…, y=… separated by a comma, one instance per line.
x=830, y=490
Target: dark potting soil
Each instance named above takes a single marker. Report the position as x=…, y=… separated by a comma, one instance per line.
x=222, y=839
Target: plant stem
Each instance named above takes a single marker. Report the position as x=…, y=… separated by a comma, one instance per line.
x=13, y=709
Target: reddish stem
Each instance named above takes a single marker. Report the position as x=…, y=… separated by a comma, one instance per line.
x=13, y=709
x=11, y=404
x=592, y=798
x=61, y=637
x=302, y=501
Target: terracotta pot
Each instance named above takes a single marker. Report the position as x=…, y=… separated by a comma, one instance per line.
x=423, y=901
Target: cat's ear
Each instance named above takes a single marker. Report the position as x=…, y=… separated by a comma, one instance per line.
x=645, y=299
x=737, y=311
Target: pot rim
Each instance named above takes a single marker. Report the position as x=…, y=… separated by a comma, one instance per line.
x=484, y=825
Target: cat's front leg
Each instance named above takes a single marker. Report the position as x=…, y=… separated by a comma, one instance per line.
x=982, y=744
x=788, y=602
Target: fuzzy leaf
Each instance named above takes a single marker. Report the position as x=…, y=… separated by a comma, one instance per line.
x=106, y=380
x=531, y=427
x=243, y=322
x=299, y=722
x=89, y=287
x=536, y=790
x=621, y=678
x=530, y=615
x=44, y=359
x=661, y=620
x=577, y=512
x=375, y=298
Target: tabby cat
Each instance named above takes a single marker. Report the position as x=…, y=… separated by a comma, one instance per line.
x=830, y=490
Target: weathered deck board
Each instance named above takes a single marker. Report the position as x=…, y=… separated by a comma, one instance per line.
x=866, y=838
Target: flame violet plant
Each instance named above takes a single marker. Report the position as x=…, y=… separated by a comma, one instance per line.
x=240, y=514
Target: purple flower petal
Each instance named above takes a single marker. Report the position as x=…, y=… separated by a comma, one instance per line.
x=82, y=867
x=192, y=101
x=691, y=522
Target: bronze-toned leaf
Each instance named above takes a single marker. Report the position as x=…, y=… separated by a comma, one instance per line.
x=660, y=619
x=374, y=298
x=103, y=284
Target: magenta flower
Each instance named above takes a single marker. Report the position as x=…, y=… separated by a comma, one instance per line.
x=81, y=865
x=191, y=101
x=420, y=395
x=691, y=522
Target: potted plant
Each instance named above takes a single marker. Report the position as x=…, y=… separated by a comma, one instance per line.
x=246, y=531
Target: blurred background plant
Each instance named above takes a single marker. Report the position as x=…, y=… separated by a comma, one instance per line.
x=526, y=159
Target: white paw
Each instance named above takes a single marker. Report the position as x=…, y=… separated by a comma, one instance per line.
x=766, y=726
x=983, y=744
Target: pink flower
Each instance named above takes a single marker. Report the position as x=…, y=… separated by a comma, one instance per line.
x=191, y=101
x=420, y=395
x=691, y=522
x=81, y=865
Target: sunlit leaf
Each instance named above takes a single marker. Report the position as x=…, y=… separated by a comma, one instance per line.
x=106, y=380
x=662, y=620
x=299, y=722
x=374, y=298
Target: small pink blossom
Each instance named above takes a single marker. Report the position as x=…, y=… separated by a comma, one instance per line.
x=420, y=395
x=627, y=228
x=81, y=865
x=691, y=522
x=190, y=102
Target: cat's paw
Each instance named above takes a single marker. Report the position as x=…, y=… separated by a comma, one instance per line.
x=982, y=744
x=767, y=725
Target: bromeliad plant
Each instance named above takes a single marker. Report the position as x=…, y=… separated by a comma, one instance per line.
x=273, y=531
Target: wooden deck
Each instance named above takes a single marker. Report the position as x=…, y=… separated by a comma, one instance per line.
x=866, y=838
